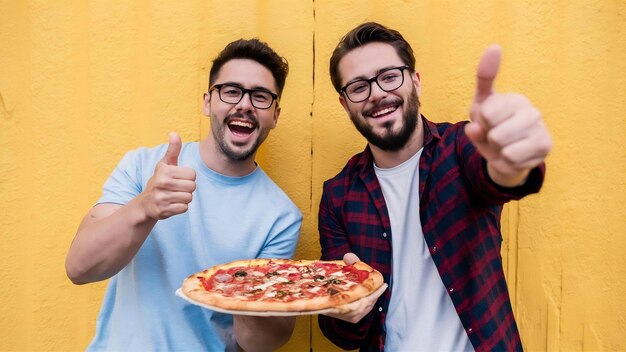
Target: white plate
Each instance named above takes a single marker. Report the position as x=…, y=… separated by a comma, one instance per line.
x=346, y=308
x=180, y=294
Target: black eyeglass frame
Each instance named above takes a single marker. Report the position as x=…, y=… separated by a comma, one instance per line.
x=374, y=79
x=244, y=91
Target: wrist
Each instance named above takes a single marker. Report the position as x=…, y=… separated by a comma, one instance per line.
x=141, y=209
x=508, y=180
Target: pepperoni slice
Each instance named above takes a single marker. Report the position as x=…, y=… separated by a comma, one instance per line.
x=354, y=274
x=223, y=277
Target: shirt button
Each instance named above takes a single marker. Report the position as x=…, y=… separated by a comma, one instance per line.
x=434, y=249
x=380, y=309
x=469, y=330
x=384, y=234
x=451, y=289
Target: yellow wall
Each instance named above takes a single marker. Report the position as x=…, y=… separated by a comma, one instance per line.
x=81, y=82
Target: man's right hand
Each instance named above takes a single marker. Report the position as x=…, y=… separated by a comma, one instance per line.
x=169, y=190
x=355, y=311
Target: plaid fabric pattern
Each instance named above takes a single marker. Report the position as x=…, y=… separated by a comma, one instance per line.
x=460, y=211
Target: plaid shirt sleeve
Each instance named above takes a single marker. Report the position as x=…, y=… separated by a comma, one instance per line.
x=477, y=177
x=334, y=243
x=460, y=211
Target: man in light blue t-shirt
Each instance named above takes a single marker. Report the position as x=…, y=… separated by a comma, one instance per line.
x=178, y=208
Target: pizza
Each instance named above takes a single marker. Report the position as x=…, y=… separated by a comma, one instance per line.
x=281, y=285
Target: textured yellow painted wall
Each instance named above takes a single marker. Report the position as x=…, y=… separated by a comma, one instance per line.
x=81, y=82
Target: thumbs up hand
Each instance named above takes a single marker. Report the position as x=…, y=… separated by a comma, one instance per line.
x=507, y=129
x=169, y=190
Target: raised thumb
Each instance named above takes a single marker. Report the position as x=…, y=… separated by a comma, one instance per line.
x=173, y=150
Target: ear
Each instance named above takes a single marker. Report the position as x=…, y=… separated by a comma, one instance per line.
x=344, y=103
x=276, y=114
x=416, y=82
x=206, y=106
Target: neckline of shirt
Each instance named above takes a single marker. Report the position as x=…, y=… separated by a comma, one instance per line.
x=200, y=166
x=399, y=168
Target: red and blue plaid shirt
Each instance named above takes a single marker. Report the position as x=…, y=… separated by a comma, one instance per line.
x=460, y=209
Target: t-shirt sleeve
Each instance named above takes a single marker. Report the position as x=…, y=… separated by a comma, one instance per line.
x=283, y=237
x=125, y=182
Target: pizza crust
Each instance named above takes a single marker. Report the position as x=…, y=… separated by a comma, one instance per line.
x=193, y=289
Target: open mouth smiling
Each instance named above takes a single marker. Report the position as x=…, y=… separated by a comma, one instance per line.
x=382, y=111
x=241, y=127
x=387, y=110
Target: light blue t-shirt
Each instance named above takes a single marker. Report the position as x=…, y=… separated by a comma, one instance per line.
x=229, y=218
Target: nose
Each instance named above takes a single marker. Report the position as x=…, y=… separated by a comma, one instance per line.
x=245, y=103
x=376, y=93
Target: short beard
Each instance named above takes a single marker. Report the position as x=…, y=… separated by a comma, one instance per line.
x=219, y=132
x=234, y=155
x=391, y=141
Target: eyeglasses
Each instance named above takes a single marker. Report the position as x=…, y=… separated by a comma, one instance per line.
x=388, y=80
x=231, y=94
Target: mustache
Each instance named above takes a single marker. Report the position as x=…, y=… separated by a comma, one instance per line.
x=384, y=104
x=238, y=115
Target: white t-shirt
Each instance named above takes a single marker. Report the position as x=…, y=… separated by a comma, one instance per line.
x=421, y=315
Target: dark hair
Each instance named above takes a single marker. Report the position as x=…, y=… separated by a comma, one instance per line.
x=364, y=34
x=256, y=50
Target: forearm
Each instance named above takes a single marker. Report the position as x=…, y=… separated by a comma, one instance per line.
x=104, y=245
x=262, y=333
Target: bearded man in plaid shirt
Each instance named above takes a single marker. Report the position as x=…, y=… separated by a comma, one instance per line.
x=422, y=202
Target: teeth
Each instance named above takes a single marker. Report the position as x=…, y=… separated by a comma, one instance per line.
x=242, y=124
x=384, y=111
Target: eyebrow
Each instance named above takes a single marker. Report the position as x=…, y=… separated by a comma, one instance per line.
x=364, y=78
